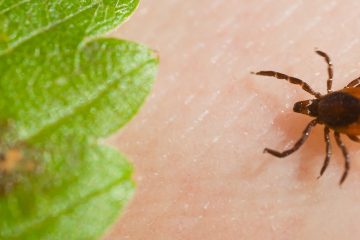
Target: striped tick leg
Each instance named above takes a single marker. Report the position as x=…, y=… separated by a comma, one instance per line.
x=297, y=145
x=328, y=151
x=345, y=154
x=290, y=79
x=354, y=138
x=354, y=83
x=330, y=69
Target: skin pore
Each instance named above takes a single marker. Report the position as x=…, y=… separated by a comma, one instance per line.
x=197, y=143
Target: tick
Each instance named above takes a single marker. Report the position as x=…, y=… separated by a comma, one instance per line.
x=338, y=111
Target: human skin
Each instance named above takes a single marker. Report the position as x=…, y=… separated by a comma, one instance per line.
x=197, y=142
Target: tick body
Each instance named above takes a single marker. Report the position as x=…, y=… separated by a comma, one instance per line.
x=338, y=111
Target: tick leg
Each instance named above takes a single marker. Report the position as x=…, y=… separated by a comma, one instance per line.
x=354, y=138
x=346, y=156
x=297, y=145
x=330, y=69
x=328, y=151
x=290, y=79
x=354, y=83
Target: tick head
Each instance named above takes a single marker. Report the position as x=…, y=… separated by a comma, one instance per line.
x=307, y=107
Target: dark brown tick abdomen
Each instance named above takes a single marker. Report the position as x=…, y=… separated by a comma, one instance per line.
x=338, y=109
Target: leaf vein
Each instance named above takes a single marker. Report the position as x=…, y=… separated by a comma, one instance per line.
x=45, y=29
x=77, y=109
x=37, y=224
x=13, y=6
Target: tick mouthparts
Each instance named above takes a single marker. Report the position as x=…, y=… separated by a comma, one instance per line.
x=301, y=107
x=308, y=107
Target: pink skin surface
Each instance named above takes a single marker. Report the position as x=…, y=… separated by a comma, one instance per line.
x=197, y=142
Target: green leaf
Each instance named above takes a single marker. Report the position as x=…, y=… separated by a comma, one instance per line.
x=78, y=207
x=21, y=20
x=62, y=88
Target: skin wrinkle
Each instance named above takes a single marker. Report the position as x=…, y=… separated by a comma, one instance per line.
x=288, y=13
